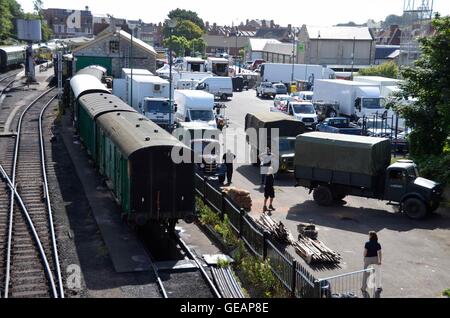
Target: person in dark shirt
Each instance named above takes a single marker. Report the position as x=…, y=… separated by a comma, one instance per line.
x=372, y=256
x=269, y=190
x=228, y=159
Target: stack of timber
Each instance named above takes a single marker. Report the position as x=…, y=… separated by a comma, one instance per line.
x=276, y=230
x=312, y=251
x=240, y=197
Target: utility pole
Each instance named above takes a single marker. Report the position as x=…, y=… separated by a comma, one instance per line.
x=293, y=55
x=171, y=24
x=353, y=56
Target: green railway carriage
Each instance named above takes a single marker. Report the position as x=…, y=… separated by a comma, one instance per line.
x=81, y=85
x=135, y=155
x=91, y=106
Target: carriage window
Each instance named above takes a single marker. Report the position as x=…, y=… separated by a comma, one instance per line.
x=114, y=46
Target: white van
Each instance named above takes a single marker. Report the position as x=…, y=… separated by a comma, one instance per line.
x=220, y=87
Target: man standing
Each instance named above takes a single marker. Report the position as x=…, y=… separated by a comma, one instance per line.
x=269, y=190
x=266, y=161
x=228, y=159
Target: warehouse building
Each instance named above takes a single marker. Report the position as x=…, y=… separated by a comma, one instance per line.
x=113, y=50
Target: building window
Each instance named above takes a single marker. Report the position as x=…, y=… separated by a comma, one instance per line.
x=114, y=46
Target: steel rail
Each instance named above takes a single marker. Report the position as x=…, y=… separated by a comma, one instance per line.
x=200, y=266
x=12, y=183
x=49, y=205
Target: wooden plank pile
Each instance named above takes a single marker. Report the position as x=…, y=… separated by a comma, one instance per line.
x=240, y=197
x=278, y=231
x=312, y=251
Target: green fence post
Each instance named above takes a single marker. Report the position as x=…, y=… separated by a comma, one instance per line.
x=294, y=278
x=241, y=222
x=266, y=235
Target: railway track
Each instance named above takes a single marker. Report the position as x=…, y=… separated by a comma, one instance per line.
x=30, y=268
x=184, y=282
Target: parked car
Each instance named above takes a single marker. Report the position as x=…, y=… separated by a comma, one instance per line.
x=280, y=88
x=266, y=89
x=281, y=102
x=339, y=125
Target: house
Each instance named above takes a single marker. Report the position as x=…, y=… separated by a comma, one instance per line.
x=113, y=50
x=386, y=53
x=338, y=48
x=67, y=23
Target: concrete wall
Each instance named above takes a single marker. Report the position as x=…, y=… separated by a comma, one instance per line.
x=121, y=58
x=335, y=52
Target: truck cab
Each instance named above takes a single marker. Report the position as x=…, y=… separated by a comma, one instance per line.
x=417, y=195
x=158, y=110
x=368, y=102
x=286, y=154
x=305, y=112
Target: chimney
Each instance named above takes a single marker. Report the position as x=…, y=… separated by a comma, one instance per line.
x=272, y=24
x=247, y=22
x=264, y=24
x=207, y=24
x=289, y=27
x=86, y=8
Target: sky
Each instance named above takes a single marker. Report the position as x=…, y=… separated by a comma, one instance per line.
x=228, y=12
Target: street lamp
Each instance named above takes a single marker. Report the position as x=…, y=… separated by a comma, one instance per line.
x=172, y=25
x=293, y=54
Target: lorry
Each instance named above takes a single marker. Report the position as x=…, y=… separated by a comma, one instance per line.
x=260, y=135
x=276, y=72
x=220, y=87
x=355, y=99
x=339, y=125
x=217, y=66
x=387, y=85
x=193, y=64
x=195, y=106
x=303, y=111
x=147, y=94
x=266, y=89
x=334, y=166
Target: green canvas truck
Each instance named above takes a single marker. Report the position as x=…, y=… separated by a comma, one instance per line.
x=334, y=166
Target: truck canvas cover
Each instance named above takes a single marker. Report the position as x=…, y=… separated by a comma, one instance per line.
x=344, y=153
x=288, y=126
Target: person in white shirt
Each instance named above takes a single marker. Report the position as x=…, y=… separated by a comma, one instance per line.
x=266, y=162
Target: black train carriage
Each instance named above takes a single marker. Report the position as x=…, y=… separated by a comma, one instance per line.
x=135, y=155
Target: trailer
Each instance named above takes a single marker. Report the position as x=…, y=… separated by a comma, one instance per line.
x=276, y=72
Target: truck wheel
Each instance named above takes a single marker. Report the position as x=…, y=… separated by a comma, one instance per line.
x=414, y=208
x=224, y=97
x=323, y=196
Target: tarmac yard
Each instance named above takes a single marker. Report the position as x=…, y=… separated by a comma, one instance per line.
x=416, y=254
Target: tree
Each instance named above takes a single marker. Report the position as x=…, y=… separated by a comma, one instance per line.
x=179, y=44
x=428, y=83
x=389, y=69
x=181, y=14
x=185, y=28
x=5, y=20
x=197, y=45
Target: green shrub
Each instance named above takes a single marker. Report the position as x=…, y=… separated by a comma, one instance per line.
x=260, y=275
x=389, y=69
x=435, y=167
x=446, y=292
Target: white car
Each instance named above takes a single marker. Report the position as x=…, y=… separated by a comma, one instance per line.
x=305, y=112
x=281, y=101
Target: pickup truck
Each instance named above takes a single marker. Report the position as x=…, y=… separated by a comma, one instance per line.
x=339, y=125
x=266, y=89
